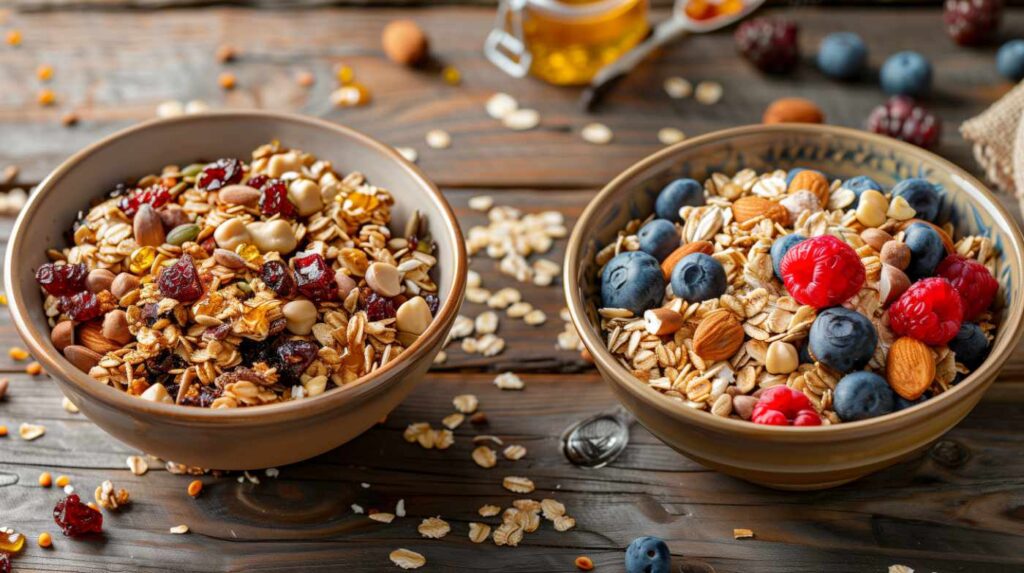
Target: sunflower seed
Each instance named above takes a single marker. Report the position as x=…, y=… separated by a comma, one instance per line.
x=596, y=133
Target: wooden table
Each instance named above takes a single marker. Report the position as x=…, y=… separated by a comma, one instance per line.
x=959, y=507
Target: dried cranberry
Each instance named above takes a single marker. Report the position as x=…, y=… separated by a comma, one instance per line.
x=5, y=563
x=257, y=181
x=180, y=281
x=433, y=303
x=314, y=278
x=278, y=277
x=81, y=307
x=274, y=199
x=902, y=118
x=158, y=368
x=379, y=307
x=156, y=196
x=62, y=280
x=201, y=396
x=76, y=518
x=277, y=326
x=253, y=351
x=294, y=356
x=220, y=173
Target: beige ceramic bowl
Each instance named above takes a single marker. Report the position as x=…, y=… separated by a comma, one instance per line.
x=244, y=438
x=788, y=457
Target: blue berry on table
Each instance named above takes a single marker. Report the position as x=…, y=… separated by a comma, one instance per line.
x=676, y=195
x=779, y=249
x=648, y=555
x=1010, y=60
x=632, y=280
x=698, y=277
x=906, y=73
x=922, y=195
x=658, y=238
x=859, y=185
x=842, y=55
x=842, y=339
x=970, y=345
x=926, y=250
x=862, y=395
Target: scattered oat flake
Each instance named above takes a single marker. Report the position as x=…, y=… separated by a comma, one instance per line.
x=382, y=516
x=485, y=457
x=708, y=92
x=179, y=529
x=509, y=381
x=170, y=108
x=501, y=104
x=272, y=472
x=481, y=203
x=900, y=569
x=596, y=133
x=488, y=510
x=677, y=87
x=552, y=508
x=443, y=439
x=466, y=403
x=670, y=135
x=564, y=523
x=453, y=420
x=407, y=559
x=487, y=438
x=434, y=528
x=742, y=533
x=68, y=405
x=508, y=533
x=357, y=509
x=137, y=465
x=400, y=508
x=439, y=139
x=521, y=119
x=31, y=431
x=410, y=154
x=535, y=317
x=479, y=532
x=514, y=452
x=518, y=484
x=414, y=430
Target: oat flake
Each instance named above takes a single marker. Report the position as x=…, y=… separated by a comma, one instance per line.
x=708, y=92
x=31, y=431
x=509, y=381
x=514, y=452
x=466, y=403
x=481, y=203
x=677, y=87
x=434, y=528
x=485, y=457
x=518, y=484
x=137, y=465
x=670, y=135
x=488, y=510
x=521, y=119
x=407, y=559
x=439, y=139
x=596, y=133
x=179, y=529
x=500, y=105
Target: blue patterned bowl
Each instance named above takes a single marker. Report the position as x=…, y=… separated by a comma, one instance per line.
x=791, y=457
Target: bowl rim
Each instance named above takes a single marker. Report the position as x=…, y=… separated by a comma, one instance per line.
x=57, y=366
x=610, y=367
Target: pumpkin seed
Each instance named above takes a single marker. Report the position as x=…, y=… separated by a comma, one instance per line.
x=183, y=234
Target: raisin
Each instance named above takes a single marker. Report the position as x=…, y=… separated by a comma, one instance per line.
x=156, y=196
x=274, y=199
x=201, y=396
x=81, y=307
x=76, y=518
x=279, y=278
x=219, y=332
x=158, y=368
x=253, y=351
x=433, y=303
x=180, y=281
x=313, y=277
x=294, y=356
x=378, y=307
x=220, y=173
x=62, y=280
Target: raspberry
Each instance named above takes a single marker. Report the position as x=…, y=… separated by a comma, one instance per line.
x=156, y=195
x=278, y=277
x=974, y=282
x=784, y=406
x=769, y=43
x=81, y=307
x=822, y=271
x=180, y=281
x=313, y=277
x=971, y=22
x=220, y=173
x=274, y=199
x=903, y=119
x=62, y=280
x=929, y=311
x=76, y=518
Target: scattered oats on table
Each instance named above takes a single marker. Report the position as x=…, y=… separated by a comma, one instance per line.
x=708, y=92
x=179, y=529
x=489, y=510
x=479, y=532
x=518, y=484
x=596, y=133
x=670, y=135
x=500, y=105
x=514, y=452
x=407, y=559
x=466, y=403
x=521, y=119
x=453, y=420
x=742, y=533
x=434, y=528
x=677, y=87
x=438, y=139
x=137, y=465
x=509, y=381
x=30, y=432
x=485, y=457
x=382, y=516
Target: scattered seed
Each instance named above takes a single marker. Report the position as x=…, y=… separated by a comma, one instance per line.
x=434, y=528
x=439, y=139
x=518, y=309
x=45, y=540
x=514, y=452
x=521, y=119
x=486, y=323
x=63, y=481
x=179, y=529
x=670, y=135
x=708, y=92
x=407, y=559
x=69, y=119
x=518, y=484
x=382, y=516
x=485, y=457
x=226, y=53
x=400, y=508
x=452, y=76
x=500, y=105
x=30, y=432
x=742, y=533
x=535, y=317
x=137, y=465
x=677, y=87
x=45, y=479
x=17, y=353
x=481, y=203
x=466, y=403
x=410, y=154
x=479, y=532
x=596, y=133
x=509, y=381
x=195, y=487
x=227, y=80
x=584, y=563
x=454, y=420
x=44, y=72
x=34, y=369
x=68, y=405
x=14, y=38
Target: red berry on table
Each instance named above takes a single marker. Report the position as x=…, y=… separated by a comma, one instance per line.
x=62, y=280
x=822, y=271
x=769, y=43
x=903, y=119
x=972, y=22
x=930, y=311
x=974, y=282
x=784, y=406
x=76, y=518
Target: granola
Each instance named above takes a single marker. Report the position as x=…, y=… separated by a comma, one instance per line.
x=233, y=284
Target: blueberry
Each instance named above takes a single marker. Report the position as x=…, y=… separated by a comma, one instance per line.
x=842, y=55
x=859, y=185
x=842, y=339
x=970, y=345
x=780, y=247
x=678, y=194
x=922, y=195
x=1010, y=60
x=906, y=73
x=902, y=403
x=658, y=238
x=926, y=250
x=648, y=555
x=862, y=395
x=805, y=354
x=632, y=280
x=698, y=277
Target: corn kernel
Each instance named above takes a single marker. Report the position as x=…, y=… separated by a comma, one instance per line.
x=46, y=97
x=45, y=479
x=44, y=72
x=195, y=487
x=14, y=38
x=452, y=75
x=45, y=539
x=17, y=353
x=34, y=369
x=63, y=481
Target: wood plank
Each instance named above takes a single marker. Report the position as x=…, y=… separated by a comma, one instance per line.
x=117, y=78
x=939, y=512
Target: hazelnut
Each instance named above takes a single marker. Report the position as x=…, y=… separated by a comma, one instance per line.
x=99, y=280
x=404, y=42
x=896, y=254
x=63, y=335
x=123, y=284
x=115, y=326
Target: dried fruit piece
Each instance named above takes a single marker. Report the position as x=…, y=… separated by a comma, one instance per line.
x=903, y=119
x=274, y=199
x=278, y=277
x=180, y=281
x=220, y=173
x=313, y=277
x=769, y=43
x=155, y=196
x=295, y=356
x=62, y=280
x=76, y=518
x=81, y=307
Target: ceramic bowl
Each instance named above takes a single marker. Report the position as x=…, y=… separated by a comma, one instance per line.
x=790, y=457
x=242, y=438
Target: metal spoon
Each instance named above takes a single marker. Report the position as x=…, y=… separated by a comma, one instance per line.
x=596, y=441
x=676, y=27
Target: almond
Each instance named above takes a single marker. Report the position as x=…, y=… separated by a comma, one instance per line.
x=793, y=110
x=239, y=195
x=718, y=336
x=83, y=358
x=149, y=229
x=946, y=240
x=808, y=180
x=63, y=334
x=662, y=321
x=875, y=237
x=90, y=335
x=910, y=367
x=751, y=206
x=892, y=283
x=688, y=249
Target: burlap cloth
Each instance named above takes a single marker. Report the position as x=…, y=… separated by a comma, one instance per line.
x=998, y=138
